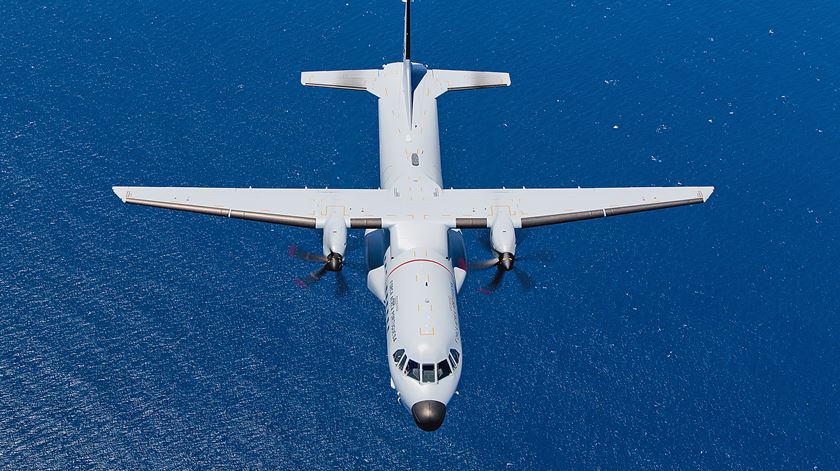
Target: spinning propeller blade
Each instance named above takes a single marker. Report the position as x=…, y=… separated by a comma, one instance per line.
x=333, y=262
x=503, y=262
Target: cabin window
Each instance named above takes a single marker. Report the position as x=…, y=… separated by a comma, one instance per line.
x=413, y=370
x=398, y=354
x=443, y=370
x=428, y=372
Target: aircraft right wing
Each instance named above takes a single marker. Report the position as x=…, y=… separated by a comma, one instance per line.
x=540, y=207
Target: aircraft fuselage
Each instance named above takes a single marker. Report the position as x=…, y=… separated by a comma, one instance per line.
x=421, y=282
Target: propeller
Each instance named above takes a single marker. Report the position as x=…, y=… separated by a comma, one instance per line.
x=503, y=262
x=333, y=262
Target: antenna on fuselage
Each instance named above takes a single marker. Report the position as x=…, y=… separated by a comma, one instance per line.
x=407, y=42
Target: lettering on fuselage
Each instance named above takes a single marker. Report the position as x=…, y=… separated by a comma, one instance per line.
x=392, y=305
x=423, y=288
x=453, y=308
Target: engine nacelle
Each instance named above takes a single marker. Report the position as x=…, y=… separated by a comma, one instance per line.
x=335, y=236
x=502, y=234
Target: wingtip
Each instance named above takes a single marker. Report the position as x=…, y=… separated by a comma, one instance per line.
x=707, y=192
x=120, y=191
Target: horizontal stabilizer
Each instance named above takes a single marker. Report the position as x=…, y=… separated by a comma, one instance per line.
x=454, y=80
x=343, y=79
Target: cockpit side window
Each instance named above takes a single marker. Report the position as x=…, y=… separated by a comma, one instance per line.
x=398, y=354
x=443, y=370
x=402, y=362
x=413, y=370
x=456, y=357
x=428, y=372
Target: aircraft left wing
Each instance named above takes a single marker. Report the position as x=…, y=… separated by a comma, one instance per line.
x=291, y=207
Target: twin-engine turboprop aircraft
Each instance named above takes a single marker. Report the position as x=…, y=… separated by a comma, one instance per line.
x=414, y=248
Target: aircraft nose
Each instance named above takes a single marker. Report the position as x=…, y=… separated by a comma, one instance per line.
x=428, y=415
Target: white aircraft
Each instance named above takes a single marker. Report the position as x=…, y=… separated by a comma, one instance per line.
x=414, y=248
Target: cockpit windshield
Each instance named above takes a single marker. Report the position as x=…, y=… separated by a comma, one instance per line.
x=443, y=370
x=413, y=370
x=426, y=372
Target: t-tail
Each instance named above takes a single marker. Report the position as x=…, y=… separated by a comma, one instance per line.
x=407, y=36
x=367, y=79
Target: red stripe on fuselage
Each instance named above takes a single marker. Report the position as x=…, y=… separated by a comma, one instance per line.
x=419, y=260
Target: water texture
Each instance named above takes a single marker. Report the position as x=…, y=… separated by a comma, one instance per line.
x=694, y=338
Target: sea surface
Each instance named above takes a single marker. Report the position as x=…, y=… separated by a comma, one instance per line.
x=705, y=337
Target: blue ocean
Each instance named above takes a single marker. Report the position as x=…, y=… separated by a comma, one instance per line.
x=704, y=337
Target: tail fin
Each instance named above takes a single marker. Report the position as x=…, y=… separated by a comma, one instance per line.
x=407, y=43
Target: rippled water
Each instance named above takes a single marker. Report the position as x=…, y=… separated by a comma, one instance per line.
x=702, y=337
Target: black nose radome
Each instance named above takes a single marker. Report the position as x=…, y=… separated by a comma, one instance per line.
x=428, y=415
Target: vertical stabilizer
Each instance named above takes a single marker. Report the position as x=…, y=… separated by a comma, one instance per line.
x=407, y=42
x=407, y=85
